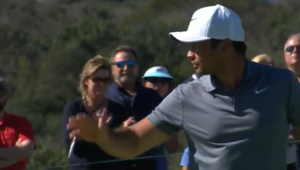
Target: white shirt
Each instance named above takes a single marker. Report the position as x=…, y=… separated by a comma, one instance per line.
x=194, y=76
x=291, y=156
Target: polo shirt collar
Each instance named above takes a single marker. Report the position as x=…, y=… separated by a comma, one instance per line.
x=210, y=85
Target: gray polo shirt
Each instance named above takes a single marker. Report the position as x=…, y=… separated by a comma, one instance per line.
x=245, y=130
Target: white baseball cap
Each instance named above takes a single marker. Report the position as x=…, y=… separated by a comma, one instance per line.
x=157, y=71
x=212, y=22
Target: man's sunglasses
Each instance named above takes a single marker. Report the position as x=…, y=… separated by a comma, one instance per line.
x=100, y=79
x=157, y=80
x=122, y=64
x=292, y=48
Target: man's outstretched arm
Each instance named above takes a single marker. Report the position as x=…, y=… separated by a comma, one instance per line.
x=128, y=142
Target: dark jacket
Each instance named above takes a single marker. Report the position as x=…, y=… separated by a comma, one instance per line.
x=84, y=152
x=139, y=106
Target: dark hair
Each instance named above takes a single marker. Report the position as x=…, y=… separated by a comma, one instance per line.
x=126, y=49
x=239, y=46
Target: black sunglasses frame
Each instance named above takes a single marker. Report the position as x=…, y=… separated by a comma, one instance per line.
x=292, y=48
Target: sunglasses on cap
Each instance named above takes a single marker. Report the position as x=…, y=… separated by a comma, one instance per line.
x=157, y=80
x=122, y=64
x=292, y=48
x=100, y=79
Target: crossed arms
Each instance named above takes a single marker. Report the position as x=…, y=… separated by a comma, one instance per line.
x=22, y=150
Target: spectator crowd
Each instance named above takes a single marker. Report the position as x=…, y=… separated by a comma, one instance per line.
x=112, y=85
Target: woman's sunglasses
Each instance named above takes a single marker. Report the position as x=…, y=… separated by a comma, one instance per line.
x=100, y=79
x=121, y=64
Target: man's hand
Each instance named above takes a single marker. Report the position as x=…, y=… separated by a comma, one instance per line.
x=85, y=128
x=130, y=121
x=18, y=143
x=124, y=142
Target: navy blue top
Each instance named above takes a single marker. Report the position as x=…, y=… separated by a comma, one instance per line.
x=138, y=106
x=85, y=153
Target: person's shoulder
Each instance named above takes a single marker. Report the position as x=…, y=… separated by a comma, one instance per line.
x=198, y=83
x=19, y=120
x=72, y=105
x=279, y=77
x=73, y=102
x=188, y=80
x=266, y=68
x=192, y=87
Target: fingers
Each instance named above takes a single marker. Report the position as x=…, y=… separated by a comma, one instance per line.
x=104, y=116
x=129, y=122
x=76, y=122
x=75, y=133
x=109, y=120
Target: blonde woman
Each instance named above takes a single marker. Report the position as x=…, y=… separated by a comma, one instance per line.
x=263, y=59
x=94, y=81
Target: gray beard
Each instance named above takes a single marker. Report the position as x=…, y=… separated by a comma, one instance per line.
x=126, y=79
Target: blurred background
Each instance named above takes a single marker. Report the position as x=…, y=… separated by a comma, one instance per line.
x=45, y=43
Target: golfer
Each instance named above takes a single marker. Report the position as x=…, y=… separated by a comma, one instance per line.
x=237, y=114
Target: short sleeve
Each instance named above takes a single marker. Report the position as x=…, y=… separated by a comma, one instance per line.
x=168, y=116
x=185, y=158
x=25, y=130
x=294, y=102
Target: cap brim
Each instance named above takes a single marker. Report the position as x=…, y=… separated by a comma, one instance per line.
x=187, y=37
x=162, y=75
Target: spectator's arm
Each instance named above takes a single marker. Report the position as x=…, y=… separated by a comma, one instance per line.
x=69, y=110
x=294, y=106
x=5, y=163
x=152, y=131
x=185, y=158
x=24, y=146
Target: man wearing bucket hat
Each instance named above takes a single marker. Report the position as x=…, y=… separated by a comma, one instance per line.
x=159, y=79
x=233, y=113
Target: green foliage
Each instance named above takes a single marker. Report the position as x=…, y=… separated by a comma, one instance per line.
x=45, y=43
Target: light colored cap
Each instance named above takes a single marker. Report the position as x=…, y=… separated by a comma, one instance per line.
x=212, y=22
x=157, y=71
